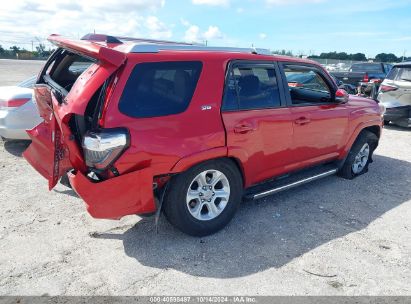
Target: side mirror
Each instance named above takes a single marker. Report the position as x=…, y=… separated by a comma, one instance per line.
x=341, y=96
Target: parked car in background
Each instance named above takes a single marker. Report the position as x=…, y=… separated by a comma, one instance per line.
x=191, y=128
x=18, y=111
x=395, y=95
x=360, y=73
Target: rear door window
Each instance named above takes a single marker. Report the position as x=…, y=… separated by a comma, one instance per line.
x=251, y=86
x=160, y=88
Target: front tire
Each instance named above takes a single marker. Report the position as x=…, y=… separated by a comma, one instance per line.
x=360, y=155
x=204, y=199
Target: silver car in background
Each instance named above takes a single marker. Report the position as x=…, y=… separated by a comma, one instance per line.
x=18, y=111
x=395, y=95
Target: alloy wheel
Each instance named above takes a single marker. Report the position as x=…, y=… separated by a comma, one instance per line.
x=361, y=159
x=208, y=195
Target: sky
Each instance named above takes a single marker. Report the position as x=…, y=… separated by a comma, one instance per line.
x=302, y=26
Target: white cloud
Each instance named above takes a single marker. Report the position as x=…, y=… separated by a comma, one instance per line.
x=239, y=10
x=21, y=22
x=213, y=32
x=184, y=22
x=262, y=36
x=212, y=2
x=193, y=32
x=291, y=2
x=158, y=29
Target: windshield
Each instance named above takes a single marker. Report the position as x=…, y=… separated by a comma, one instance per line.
x=366, y=67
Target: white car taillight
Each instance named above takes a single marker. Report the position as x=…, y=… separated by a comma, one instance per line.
x=13, y=103
x=103, y=147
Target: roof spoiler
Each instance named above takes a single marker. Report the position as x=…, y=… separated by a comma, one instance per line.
x=89, y=48
x=101, y=38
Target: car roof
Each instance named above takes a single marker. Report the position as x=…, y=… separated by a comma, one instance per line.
x=406, y=63
x=102, y=46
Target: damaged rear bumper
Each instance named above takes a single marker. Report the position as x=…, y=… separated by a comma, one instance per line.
x=399, y=115
x=131, y=193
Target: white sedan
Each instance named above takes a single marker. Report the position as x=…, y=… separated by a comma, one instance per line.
x=18, y=111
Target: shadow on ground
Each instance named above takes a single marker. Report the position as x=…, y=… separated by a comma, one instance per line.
x=273, y=231
x=16, y=147
x=392, y=126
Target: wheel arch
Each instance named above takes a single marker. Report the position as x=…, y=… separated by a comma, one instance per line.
x=190, y=161
x=370, y=126
x=373, y=129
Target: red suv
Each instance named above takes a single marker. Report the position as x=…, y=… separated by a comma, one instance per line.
x=139, y=126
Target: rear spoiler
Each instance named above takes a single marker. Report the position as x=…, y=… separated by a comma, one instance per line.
x=89, y=48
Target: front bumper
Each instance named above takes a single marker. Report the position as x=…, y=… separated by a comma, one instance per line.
x=131, y=193
x=399, y=115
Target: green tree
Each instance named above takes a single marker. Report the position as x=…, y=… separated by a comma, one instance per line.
x=343, y=56
x=14, y=49
x=2, y=51
x=383, y=57
x=358, y=57
x=283, y=52
x=41, y=49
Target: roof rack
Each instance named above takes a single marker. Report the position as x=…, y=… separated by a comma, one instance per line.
x=156, y=48
x=119, y=39
x=154, y=41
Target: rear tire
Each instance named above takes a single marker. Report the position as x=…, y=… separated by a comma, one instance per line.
x=360, y=155
x=204, y=199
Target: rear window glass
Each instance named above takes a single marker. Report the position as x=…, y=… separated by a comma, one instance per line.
x=67, y=68
x=366, y=67
x=404, y=73
x=160, y=88
x=391, y=75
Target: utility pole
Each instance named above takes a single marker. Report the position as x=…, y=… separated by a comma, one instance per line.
x=403, y=55
x=32, y=48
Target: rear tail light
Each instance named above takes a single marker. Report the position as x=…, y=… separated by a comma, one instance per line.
x=376, y=80
x=387, y=88
x=13, y=103
x=103, y=147
x=366, y=78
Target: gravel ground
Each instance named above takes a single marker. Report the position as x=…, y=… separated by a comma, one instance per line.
x=15, y=71
x=330, y=237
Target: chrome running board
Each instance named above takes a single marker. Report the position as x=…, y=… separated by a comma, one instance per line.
x=294, y=184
